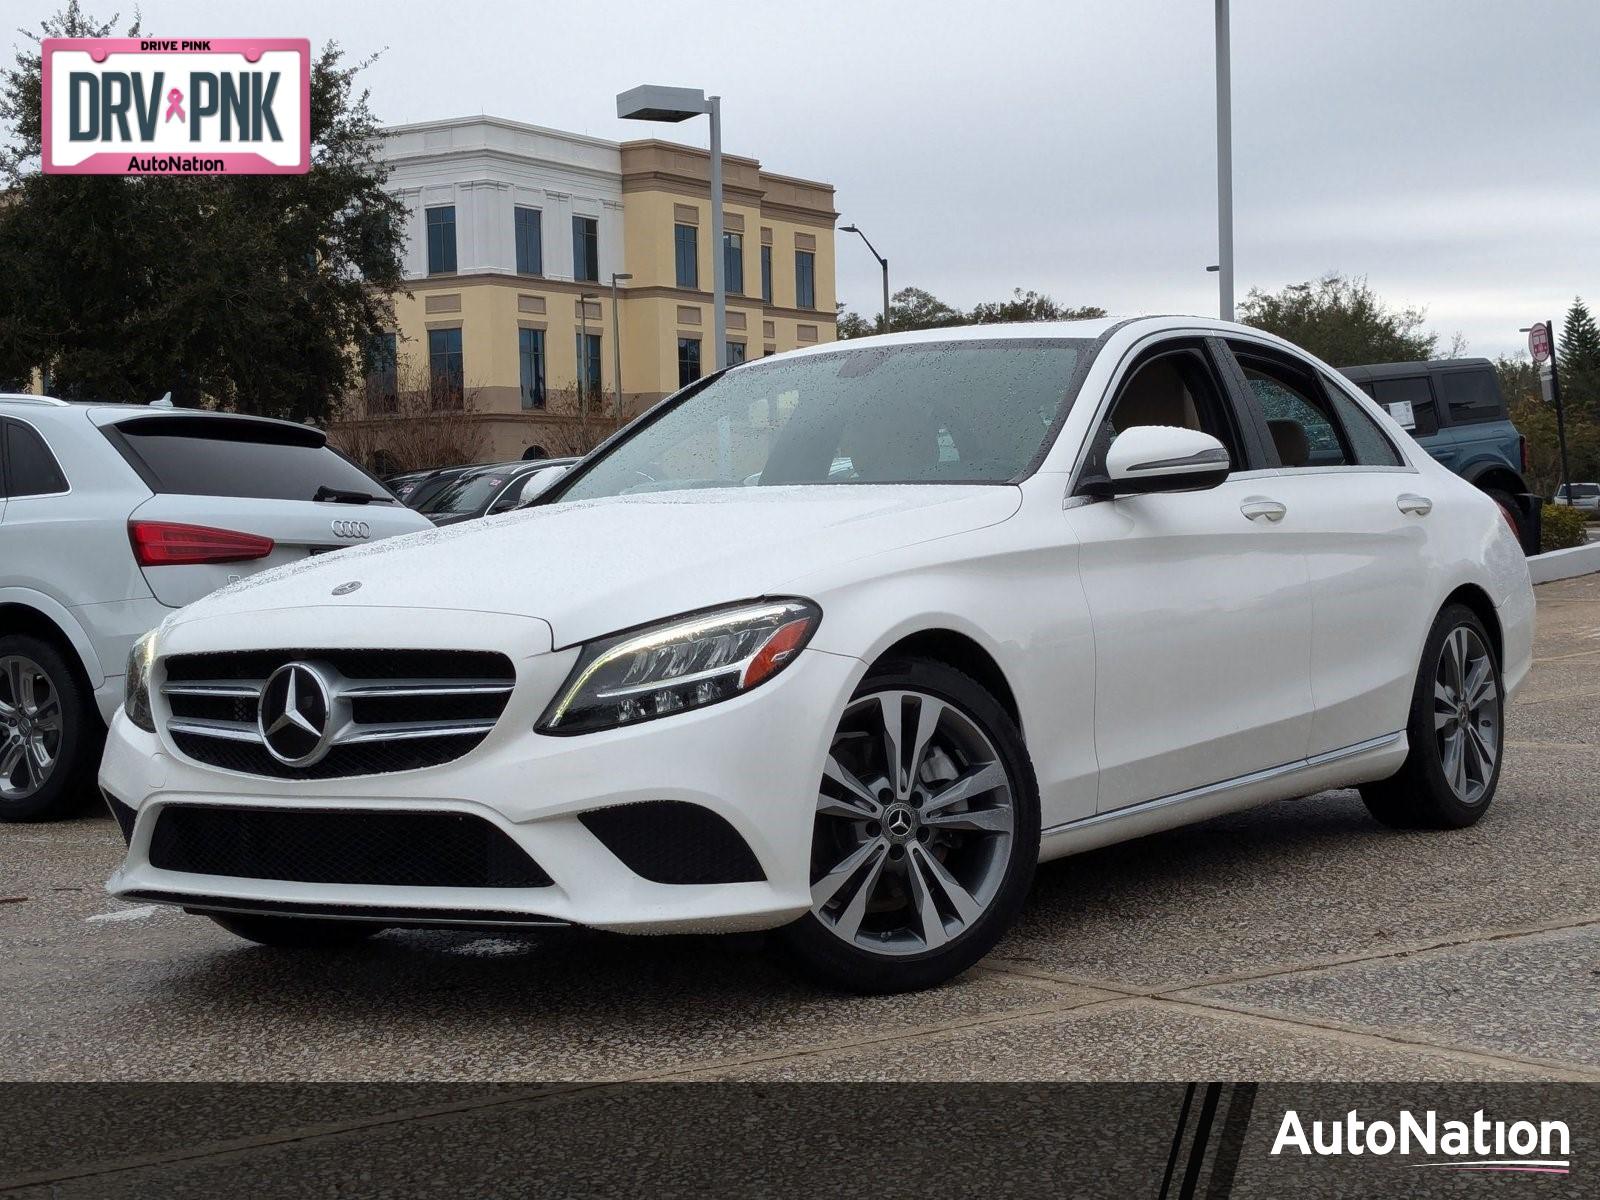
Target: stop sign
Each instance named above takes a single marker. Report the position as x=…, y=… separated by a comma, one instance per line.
x=1539, y=342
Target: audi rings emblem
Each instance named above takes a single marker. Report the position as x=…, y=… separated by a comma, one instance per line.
x=352, y=529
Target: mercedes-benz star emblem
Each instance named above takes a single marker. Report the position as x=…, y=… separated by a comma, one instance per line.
x=899, y=821
x=294, y=715
x=344, y=589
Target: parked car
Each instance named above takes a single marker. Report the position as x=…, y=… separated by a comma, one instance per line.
x=1080, y=588
x=112, y=517
x=1453, y=409
x=1579, y=495
x=484, y=491
x=416, y=488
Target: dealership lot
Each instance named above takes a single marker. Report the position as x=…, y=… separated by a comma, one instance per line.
x=1299, y=941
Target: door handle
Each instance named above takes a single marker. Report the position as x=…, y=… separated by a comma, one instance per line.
x=1417, y=506
x=1260, y=508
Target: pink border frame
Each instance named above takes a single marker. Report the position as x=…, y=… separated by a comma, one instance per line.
x=115, y=162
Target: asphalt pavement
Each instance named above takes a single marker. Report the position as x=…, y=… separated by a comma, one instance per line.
x=1300, y=941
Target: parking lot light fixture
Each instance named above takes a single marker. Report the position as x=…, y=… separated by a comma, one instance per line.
x=652, y=102
x=882, y=262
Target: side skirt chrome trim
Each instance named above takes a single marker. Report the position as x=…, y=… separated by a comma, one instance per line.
x=1227, y=785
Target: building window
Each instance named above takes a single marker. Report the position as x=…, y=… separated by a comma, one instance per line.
x=442, y=240
x=589, y=364
x=805, y=279
x=686, y=244
x=383, y=383
x=735, y=353
x=445, y=367
x=766, y=274
x=530, y=242
x=586, y=249
x=688, y=361
x=530, y=347
x=733, y=263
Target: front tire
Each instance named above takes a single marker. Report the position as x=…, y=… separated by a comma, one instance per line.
x=926, y=835
x=49, y=732
x=1456, y=731
x=295, y=933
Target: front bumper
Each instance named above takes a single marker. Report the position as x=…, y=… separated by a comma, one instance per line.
x=754, y=761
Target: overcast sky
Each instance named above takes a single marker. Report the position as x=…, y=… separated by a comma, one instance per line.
x=1449, y=150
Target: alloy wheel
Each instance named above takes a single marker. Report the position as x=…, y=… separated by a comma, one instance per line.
x=1466, y=714
x=30, y=727
x=914, y=828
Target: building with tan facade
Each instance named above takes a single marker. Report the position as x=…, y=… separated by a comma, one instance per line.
x=514, y=235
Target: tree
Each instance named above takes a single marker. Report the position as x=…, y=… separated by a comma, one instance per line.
x=250, y=293
x=854, y=325
x=1029, y=306
x=1579, y=357
x=1340, y=320
x=914, y=308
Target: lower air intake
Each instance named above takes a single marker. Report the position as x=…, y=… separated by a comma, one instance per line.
x=670, y=841
x=399, y=849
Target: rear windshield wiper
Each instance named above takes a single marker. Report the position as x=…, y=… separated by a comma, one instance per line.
x=339, y=496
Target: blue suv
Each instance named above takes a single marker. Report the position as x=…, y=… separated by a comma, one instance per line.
x=1454, y=409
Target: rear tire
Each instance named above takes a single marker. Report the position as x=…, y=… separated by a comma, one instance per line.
x=1456, y=731
x=50, y=733
x=917, y=871
x=295, y=933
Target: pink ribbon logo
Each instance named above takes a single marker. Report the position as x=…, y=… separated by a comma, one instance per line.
x=175, y=106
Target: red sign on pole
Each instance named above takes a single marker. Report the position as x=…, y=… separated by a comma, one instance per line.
x=1539, y=342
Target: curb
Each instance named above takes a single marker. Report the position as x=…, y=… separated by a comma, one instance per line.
x=1565, y=564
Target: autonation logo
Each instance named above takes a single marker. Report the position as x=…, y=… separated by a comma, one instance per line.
x=1480, y=1144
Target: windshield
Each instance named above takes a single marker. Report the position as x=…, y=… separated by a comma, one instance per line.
x=467, y=494
x=951, y=412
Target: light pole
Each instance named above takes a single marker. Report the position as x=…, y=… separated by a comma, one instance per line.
x=651, y=102
x=585, y=384
x=616, y=344
x=882, y=262
x=1224, y=166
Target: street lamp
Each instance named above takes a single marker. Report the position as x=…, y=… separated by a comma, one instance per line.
x=651, y=102
x=882, y=262
x=1224, y=167
x=616, y=343
x=585, y=383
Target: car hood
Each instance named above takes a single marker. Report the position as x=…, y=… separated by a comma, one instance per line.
x=596, y=566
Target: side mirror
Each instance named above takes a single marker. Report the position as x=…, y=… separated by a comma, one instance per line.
x=538, y=484
x=1163, y=458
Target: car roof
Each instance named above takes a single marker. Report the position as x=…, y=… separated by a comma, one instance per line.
x=1405, y=370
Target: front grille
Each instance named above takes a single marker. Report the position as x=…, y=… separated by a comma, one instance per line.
x=670, y=841
x=401, y=849
x=389, y=710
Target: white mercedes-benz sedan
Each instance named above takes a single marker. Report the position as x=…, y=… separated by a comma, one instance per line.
x=842, y=643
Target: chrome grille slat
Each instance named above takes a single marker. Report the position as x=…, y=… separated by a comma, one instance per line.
x=389, y=710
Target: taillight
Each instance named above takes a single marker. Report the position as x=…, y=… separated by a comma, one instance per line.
x=164, y=544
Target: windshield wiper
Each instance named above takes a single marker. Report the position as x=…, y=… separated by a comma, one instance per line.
x=339, y=496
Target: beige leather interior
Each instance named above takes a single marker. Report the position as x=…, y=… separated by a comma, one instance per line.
x=1294, y=447
x=1156, y=395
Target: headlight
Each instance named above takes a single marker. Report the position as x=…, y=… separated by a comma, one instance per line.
x=136, y=683
x=688, y=662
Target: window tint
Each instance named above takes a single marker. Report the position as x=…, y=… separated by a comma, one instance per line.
x=1396, y=394
x=215, y=457
x=686, y=241
x=466, y=494
x=923, y=413
x=1470, y=396
x=1368, y=442
x=530, y=242
x=586, y=249
x=1299, y=417
x=442, y=240
x=33, y=470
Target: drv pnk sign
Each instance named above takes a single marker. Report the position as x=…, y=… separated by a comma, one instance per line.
x=169, y=106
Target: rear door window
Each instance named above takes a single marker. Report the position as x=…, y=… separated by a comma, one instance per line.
x=1408, y=397
x=216, y=457
x=1470, y=396
x=32, y=469
x=1371, y=446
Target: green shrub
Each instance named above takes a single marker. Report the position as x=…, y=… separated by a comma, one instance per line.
x=1563, y=527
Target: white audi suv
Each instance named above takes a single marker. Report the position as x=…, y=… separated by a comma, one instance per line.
x=842, y=643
